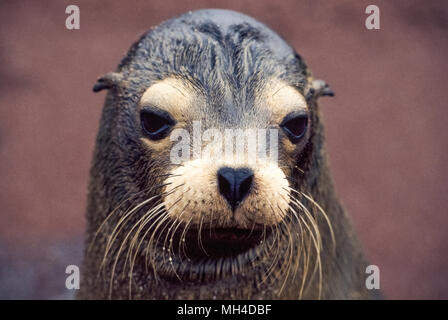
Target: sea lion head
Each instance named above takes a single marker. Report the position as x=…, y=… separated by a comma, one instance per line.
x=209, y=136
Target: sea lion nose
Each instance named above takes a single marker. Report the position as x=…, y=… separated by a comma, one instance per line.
x=235, y=184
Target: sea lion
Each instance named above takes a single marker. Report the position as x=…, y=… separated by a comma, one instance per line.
x=226, y=228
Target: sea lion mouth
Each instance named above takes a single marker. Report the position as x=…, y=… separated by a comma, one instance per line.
x=222, y=242
x=197, y=245
x=210, y=254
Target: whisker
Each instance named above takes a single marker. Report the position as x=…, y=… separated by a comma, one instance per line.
x=132, y=260
x=182, y=238
x=325, y=216
x=114, y=233
x=201, y=245
x=118, y=255
x=148, y=216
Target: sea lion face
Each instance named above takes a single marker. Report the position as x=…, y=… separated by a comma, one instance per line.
x=181, y=91
x=236, y=196
x=230, y=177
x=238, y=140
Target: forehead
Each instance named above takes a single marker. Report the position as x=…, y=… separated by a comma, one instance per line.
x=226, y=69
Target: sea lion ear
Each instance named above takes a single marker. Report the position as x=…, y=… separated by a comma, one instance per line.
x=107, y=81
x=319, y=88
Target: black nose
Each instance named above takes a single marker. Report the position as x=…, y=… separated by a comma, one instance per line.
x=235, y=184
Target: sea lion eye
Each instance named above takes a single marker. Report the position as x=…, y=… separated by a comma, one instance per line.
x=156, y=123
x=295, y=126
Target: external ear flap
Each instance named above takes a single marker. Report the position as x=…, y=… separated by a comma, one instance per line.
x=318, y=89
x=109, y=80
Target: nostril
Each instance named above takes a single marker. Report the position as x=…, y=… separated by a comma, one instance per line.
x=234, y=184
x=245, y=187
x=225, y=183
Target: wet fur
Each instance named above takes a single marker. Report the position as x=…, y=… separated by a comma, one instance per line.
x=196, y=47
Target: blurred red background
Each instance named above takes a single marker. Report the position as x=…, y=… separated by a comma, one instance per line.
x=386, y=127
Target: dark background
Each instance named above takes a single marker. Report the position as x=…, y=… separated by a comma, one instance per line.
x=386, y=127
